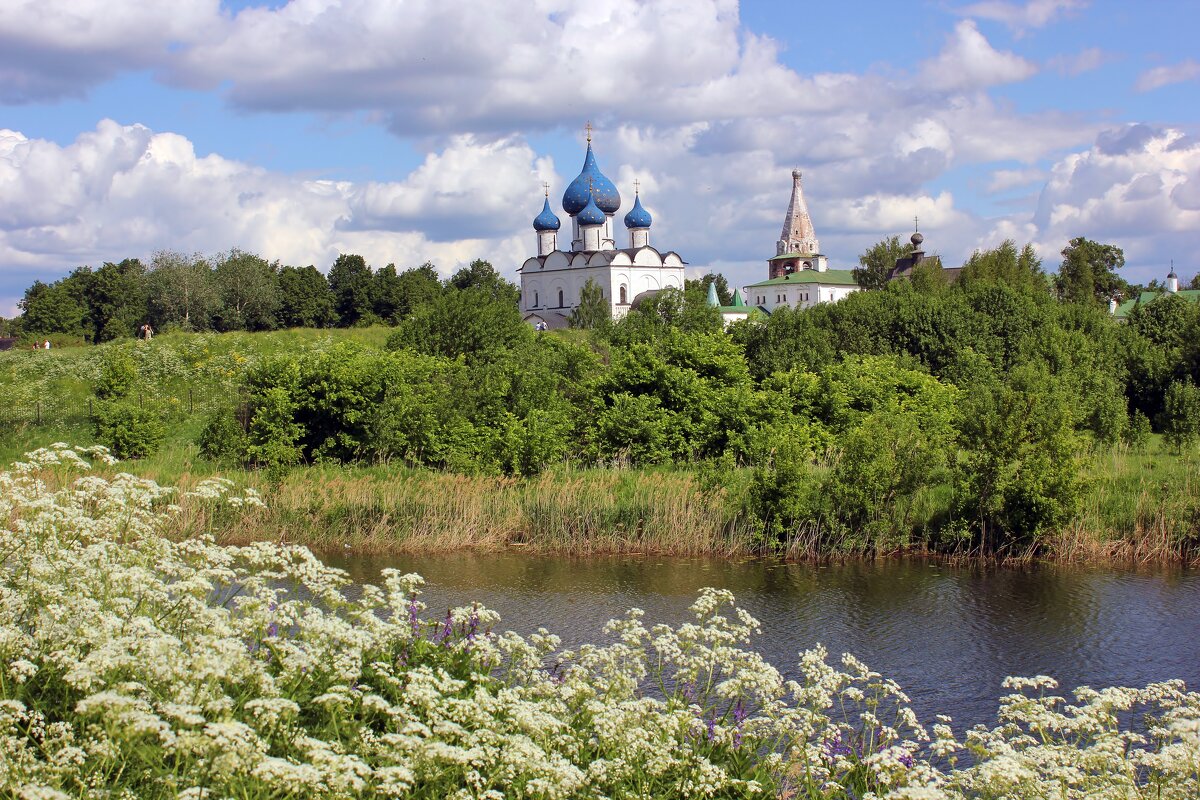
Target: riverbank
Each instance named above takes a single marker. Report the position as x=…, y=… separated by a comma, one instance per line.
x=828, y=484
x=1139, y=508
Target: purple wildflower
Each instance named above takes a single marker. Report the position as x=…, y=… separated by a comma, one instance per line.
x=412, y=613
x=443, y=635
x=739, y=716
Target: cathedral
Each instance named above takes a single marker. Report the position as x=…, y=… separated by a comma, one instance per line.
x=551, y=281
x=798, y=275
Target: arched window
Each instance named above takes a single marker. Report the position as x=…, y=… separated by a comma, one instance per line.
x=560, y=298
x=535, y=299
x=624, y=296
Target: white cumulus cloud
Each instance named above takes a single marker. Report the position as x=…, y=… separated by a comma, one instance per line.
x=125, y=190
x=968, y=61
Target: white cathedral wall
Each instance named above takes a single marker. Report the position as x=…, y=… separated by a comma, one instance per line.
x=543, y=287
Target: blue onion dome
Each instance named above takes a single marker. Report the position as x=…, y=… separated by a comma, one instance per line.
x=546, y=221
x=591, y=214
x=638, y=217
x=591, y=181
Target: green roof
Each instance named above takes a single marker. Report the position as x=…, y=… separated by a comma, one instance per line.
x=830, y=277
x=1123, y=310
x=793, y=255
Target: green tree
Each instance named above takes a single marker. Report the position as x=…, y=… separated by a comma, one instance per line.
x=481, y=274
x=249, y=288
x=305, y=300
x=473, y=323
x=593, y=310
x=724, y=295
x=1022, y=270
x=60, y=307
x=353, y=287
x=1018, y=469
x=418, y=286
x=878, y=260
x=669, y=309
x=1181, y=415
x=181, y=291
x=387, y=294
x=1088, y=273
x=117, y=299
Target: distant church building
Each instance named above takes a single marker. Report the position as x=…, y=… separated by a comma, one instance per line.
x=798, y=275
x=552, y=280
x=1122, y=310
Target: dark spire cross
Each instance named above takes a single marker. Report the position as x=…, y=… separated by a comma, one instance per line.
x=916, y=225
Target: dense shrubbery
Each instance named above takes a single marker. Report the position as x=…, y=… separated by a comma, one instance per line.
x=920, y=415
x=138, y=662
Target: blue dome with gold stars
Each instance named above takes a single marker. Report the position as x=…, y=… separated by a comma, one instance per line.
x=547, y=220
x=591, y=213
x=638, y=217
x=591, y=181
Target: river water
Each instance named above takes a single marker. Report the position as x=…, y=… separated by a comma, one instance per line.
x=948, y=634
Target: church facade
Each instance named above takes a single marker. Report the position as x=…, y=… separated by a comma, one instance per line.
x=798, y=275
x=553, y=280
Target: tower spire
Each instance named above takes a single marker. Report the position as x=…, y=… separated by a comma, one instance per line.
x=798, y=234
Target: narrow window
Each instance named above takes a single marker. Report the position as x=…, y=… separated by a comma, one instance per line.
x=623, y=296
x=560, y=298
x=535, y=299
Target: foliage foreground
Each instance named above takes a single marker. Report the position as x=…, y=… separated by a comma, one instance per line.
x=141, y=664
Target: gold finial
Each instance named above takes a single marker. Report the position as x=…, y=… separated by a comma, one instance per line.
x=588, y=128
x=546, y=189
x=637, y=186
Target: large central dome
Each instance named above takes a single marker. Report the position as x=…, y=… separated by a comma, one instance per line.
x=591, y=182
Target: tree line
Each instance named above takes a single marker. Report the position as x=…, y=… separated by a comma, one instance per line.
x=229, y=292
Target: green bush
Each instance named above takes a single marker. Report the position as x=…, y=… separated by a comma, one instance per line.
x=130, y=430
x=223, y=438
x=118, y=374
x=1181, y=415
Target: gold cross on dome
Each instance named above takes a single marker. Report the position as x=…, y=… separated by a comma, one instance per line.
x=546, y=187
x=637, y=186
x=588, y=128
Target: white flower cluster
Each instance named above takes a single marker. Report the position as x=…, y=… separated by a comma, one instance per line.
x=137, y=664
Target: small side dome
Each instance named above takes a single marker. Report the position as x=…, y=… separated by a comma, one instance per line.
x=638, y=217
x=916, y=239
x=1172, y=274
x=591, y=214
x=591, y=182
x=546, y=221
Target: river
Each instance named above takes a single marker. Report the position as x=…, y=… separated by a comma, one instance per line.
x=948, y=634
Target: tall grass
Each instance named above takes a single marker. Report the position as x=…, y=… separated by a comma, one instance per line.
x=585, y=512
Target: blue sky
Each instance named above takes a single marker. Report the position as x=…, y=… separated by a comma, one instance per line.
x=421, y=130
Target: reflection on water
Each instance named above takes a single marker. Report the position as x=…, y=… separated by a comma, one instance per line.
x=948, y=635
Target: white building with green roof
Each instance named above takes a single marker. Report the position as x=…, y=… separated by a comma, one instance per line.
x=1121, y=311
x=798, y=275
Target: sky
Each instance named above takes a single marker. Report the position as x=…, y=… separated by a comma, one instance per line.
x=422, y=130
